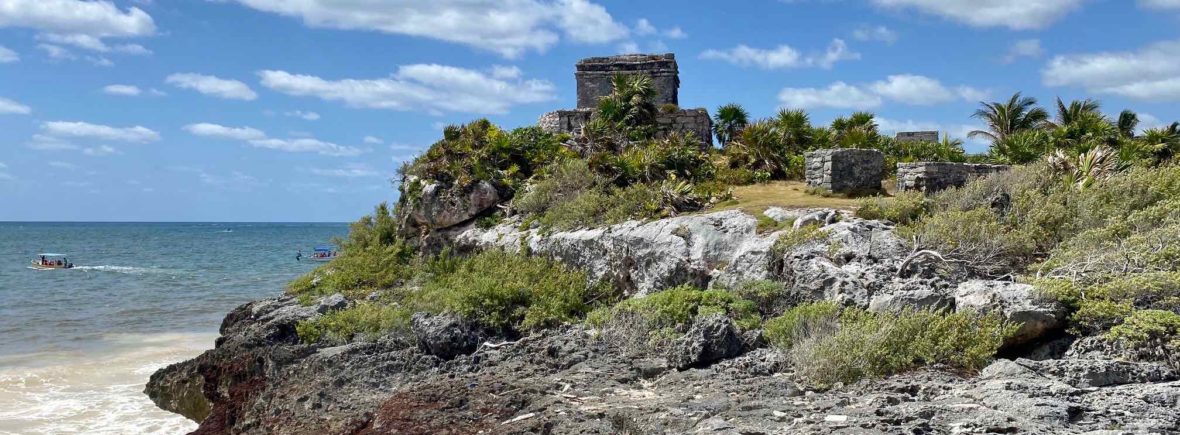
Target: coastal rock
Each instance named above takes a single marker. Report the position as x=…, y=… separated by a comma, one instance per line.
x=444, y=336
x=332, y=303
x=710, y=338
x=1035, y=315
x=438, y=207
x=920, y=298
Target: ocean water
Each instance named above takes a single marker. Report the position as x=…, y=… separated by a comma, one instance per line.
x=78, y=345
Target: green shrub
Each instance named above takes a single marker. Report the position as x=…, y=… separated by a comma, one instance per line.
x=480, y=151
x=857, y=344
x=801, y=321
x=1098, y=315
x=797, y=237
x=651, y=322
x=1144, y=290
x=769, y=296
x=1152, y=333
x=373, y=257
x=508, y=292
x=975, y=238
x=903, y=208
x=366, y=320
x=564, y=180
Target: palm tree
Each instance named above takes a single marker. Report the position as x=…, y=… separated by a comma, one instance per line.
x=1005, y=118
x=629, y=109
x=859, y=129
x=794, y=125
x=729, y=120
x=1077, y=111
x=1161, y=143
x=1127, y=122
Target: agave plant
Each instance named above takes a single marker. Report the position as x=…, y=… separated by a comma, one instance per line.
x=1088, y=167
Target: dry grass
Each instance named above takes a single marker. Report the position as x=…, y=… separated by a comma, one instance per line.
x=756, y=198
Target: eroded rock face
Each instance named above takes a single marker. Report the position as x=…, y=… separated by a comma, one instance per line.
x=445, y=336
x=1017, y=302
x=710, y=339
x=437, y=207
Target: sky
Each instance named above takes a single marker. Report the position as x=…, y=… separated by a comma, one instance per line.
x=301, y=110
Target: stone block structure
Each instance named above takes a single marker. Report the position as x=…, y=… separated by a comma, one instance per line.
x=594, y=82
x=848, y=170
x=930, y=177
x=917, y=136
x=594, y=76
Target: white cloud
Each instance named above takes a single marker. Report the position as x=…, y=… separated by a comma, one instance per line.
x=123, y=90
x=55, y=52
x=902, y=88
x=101, y=150
x=838, y=95
x=301, y=145
x=63, y=165
x=42, y=142
x=875, y=33
x=1160, y=4
x=922, y=90
x=92, y=43
x=1013, y=14
x=220, y=131
x=213, y=86
x=350, y=171
x=1150, y=73
x=643, y=27
x=675, y=33
x=9, y=107
x=259, y=139
x=783, y=56
x=1024, y=48
x=67, y=129
x=505, y=72
x=309, y=116
x=433, y=88
x=94, y=18
x=8, y=56
x=507, y=27
x=373, y=140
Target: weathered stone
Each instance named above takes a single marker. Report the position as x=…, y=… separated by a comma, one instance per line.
x=850, y=170
x=710, y=338
x=437, y=207
x=594, y=76
x=919, y=298
x=332, y=303
x=916, y=136
x=1017, y=302
x=444, y=336
x=695, y=122
x=932, y=177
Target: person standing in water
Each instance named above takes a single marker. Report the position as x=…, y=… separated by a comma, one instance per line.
x=299, y=255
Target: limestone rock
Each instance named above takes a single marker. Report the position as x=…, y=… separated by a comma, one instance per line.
x=332, y=303
x=438, y=207
x=1016, y=302
x=444, y=336
x=710, y=338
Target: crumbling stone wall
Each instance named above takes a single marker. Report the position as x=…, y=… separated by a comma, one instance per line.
x=931, y=177
x=594, y=76
x=917, y=136
x=683, y=121
x=847, y=170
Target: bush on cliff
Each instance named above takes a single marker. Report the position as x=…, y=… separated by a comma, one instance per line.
x=827, y=345
x=373, y=257
x=481, y=151
x=503, y=292
x=903, y=208
x=651, y=322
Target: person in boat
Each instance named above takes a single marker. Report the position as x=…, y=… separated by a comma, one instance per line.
x=43, y=262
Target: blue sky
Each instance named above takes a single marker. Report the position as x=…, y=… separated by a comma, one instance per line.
x=284, y=110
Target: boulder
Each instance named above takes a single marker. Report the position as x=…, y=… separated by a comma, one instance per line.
x=332, y=303
x=1017, y=302
x=445, y=336
x=439, y=207
x=919, y=298
x=710, y=339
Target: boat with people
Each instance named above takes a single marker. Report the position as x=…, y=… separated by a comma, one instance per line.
x=323, y=253
x=48, y=261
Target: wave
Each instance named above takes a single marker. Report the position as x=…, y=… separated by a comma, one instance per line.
x=95, y=393
x=123, y=269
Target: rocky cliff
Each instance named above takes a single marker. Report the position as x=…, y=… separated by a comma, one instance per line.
x=447, y=378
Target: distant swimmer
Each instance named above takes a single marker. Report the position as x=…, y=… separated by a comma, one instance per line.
x=299, y=256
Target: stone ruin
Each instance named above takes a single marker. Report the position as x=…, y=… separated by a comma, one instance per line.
x=594, y=76
x=846, y=170
x=917, y=136
x=930, y=177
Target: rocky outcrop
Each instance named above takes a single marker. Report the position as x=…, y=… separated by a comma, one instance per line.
x=1035, y=315
x=567, y=381
x=444, y=336
x=438, y=207
x=710, y=339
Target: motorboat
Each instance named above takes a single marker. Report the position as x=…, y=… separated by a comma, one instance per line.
x=323, y=254
x=48, y=261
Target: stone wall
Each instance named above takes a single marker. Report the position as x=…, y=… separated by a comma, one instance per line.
x=917, y=136
x=852, y=171
x=931, y=177
x=594, y=76
x=683, y=121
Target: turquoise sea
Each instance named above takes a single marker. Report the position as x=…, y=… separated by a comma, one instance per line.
x=77, y=345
